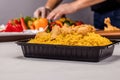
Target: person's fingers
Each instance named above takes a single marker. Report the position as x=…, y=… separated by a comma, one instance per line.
x=51, y=15
x=58, y=15
x=40, y=12
x=47, y=11
x=55, y=14
x=36, y=13
x=43, y=12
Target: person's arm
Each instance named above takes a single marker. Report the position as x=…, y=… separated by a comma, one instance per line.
x=80, y=4
x=51, y=4
x=74, y=6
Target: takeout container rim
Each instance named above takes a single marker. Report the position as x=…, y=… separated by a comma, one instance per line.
x=26, y=40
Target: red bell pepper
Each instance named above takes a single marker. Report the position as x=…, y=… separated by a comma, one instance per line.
x=23, y=23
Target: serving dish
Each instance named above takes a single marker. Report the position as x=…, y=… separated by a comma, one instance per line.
x=79, y=53
x=15, y=36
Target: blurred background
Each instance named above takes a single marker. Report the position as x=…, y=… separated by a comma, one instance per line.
x=14, y=8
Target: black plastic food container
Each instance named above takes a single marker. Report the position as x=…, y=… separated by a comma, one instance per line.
x=79, y=53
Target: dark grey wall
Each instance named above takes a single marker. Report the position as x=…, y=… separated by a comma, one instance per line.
x=14, y=8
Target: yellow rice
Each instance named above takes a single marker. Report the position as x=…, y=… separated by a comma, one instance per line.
x=91, y=39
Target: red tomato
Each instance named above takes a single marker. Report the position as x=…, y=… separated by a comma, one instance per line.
x=17, y=28
x=77, y=23
x=13, y=28
x=16, y=21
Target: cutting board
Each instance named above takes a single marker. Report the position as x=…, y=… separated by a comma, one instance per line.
x=109, y=34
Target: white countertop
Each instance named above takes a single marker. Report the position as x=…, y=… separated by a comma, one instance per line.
x=13, y=66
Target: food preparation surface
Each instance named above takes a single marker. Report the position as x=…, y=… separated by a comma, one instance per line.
x=13, y=66
x=110, y=34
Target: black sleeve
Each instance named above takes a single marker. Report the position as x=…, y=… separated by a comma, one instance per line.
x=106, y=6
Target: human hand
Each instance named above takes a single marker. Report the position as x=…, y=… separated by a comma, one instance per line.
x=41, y=12
x=61, y=10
